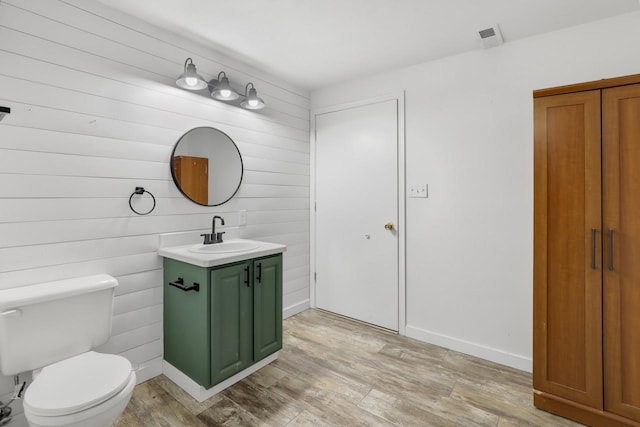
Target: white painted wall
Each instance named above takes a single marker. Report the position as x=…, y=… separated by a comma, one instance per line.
x=469, y=135
x=95, y=113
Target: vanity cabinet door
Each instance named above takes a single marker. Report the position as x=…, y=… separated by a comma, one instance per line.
x=231, y=320
x=267, y=300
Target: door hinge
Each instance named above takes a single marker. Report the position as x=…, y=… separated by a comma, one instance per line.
x=315, y=207
x=315, y=276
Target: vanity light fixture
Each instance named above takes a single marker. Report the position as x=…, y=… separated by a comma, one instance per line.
x=251, y=101
x=221, y=89
x=190, y=79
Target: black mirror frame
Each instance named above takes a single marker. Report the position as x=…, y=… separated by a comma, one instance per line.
x=175, y=180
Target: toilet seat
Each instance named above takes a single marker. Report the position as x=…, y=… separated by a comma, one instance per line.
x=77, y=384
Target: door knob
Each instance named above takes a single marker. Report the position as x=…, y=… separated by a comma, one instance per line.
x=388, y=226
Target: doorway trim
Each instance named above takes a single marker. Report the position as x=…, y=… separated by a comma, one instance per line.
x=399, y=97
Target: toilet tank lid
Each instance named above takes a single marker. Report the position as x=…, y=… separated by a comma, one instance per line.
x=41, y=292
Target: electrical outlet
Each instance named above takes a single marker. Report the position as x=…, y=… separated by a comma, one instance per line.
x=419, y=190
x=242, y=217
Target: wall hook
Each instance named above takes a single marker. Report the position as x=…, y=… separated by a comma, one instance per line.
x=4, y=111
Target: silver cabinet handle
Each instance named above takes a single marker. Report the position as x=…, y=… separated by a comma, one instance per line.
x=593, y=249
x=611, y=249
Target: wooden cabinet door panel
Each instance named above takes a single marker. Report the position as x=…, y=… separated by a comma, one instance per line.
x=231, y=320
x=567, y=271
x=621, y=157
x=267, y=296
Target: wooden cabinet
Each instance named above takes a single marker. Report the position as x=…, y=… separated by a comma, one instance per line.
x=193, y=175
x=231, y=322
x=586, y=357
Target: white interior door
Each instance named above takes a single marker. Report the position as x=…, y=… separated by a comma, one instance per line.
x=356, y=196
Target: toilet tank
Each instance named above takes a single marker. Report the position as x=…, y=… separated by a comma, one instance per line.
x=48, y=322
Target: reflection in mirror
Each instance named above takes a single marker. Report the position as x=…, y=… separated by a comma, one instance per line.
x=206, y=166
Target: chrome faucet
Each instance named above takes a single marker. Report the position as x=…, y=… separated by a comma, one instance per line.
x=213, y=237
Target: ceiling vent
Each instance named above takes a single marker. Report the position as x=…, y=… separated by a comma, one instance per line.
x=491, y=37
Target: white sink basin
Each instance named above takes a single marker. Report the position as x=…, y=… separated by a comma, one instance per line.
x=225, y=247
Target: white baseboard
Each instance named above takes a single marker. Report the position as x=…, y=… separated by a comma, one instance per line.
x=200, y=393
x=148, y=370
x=488, y=353
x=295, y=308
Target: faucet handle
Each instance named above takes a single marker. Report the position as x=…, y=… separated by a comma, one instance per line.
x=219, y=237
x=208, y=238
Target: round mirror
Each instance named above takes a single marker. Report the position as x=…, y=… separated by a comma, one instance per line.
x=206, y=166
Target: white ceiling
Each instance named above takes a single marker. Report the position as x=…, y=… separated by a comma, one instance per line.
x=314, y=43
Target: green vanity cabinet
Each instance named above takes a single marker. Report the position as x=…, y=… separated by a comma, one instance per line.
x=231, y=322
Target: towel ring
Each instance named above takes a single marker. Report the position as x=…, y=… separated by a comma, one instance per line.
x=141, y=190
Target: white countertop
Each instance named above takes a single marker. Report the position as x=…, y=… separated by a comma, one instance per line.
x=186, y=254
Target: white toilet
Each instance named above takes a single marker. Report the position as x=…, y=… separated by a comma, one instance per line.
x=50, y=329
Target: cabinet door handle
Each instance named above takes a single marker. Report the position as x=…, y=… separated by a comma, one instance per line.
x=259, y=272
x=611, y=249
x=593, y=249
x=246, y=277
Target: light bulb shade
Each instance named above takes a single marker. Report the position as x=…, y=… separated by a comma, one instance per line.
x=190, y=79
x=252, y=101
x=222, y=90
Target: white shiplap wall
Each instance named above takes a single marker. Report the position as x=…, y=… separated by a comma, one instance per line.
x=95, y=113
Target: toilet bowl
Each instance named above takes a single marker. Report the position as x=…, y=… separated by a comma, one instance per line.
x=50, y=329
x=87, y=390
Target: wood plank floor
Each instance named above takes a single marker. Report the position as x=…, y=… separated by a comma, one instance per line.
x=334, y=371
